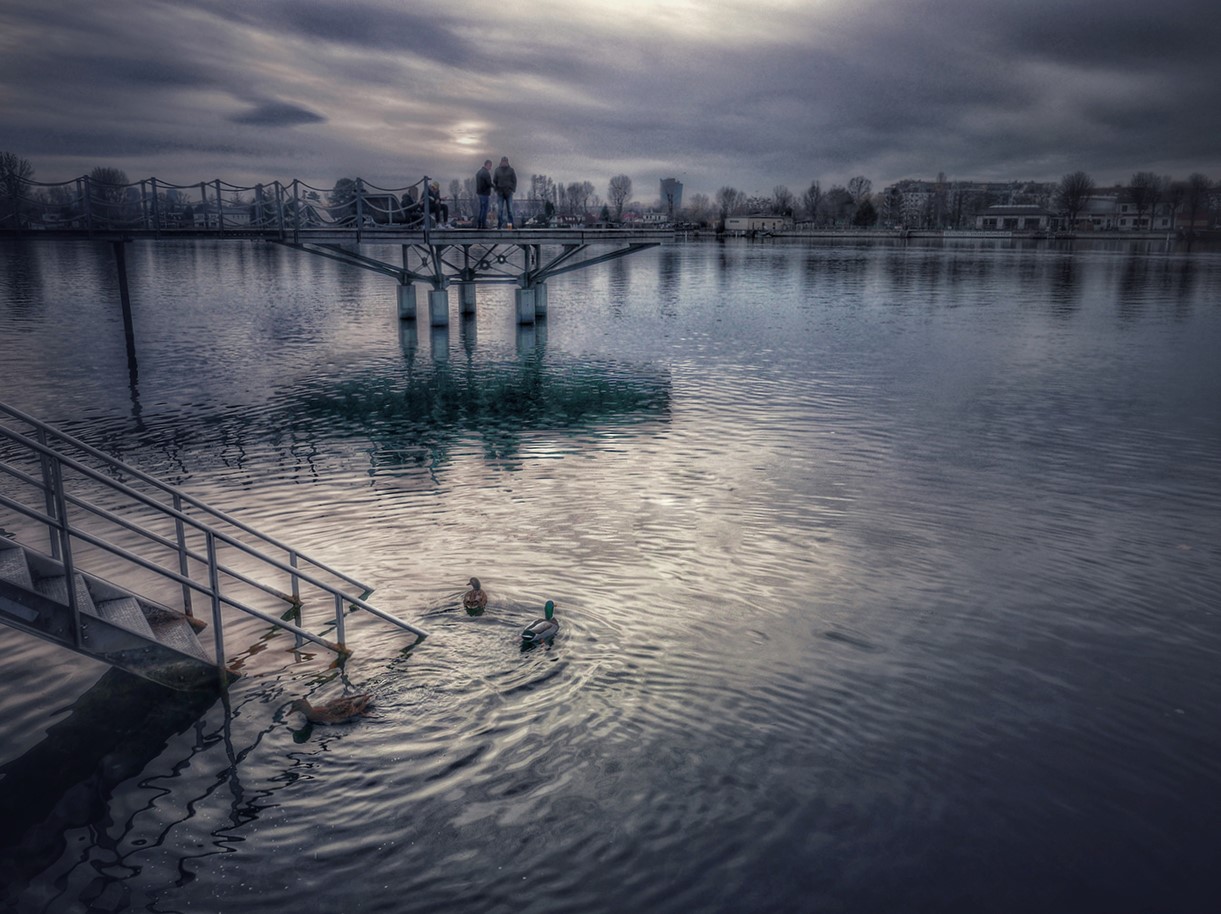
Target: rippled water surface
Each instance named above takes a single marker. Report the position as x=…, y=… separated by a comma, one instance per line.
x=888, y=577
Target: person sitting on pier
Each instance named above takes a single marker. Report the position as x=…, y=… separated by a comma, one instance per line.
x=413, y=213
x=437, y=207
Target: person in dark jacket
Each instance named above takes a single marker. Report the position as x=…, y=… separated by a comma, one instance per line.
x=436, y=206
x=505, y=183
x=483, y=190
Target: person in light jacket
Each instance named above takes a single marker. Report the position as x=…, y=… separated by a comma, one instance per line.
x=505, y=183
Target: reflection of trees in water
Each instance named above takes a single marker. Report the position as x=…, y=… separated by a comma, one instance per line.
x=1146, y=278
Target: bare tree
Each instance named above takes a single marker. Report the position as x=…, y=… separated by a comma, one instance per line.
x=837, y=206
x=580, y=194
x=456, y=207
x=698, y=208
x=859, y=188
x=108, y=191
x=15, y=173
x=1173, y=192
x=1144, y=190
x=109, y=184
x=1072, y=194
x=811, y=199
x=730, y=200
x=618, y=192
x=1199, y=189
x=782, y=200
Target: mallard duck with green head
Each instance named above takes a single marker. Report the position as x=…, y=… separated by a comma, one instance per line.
x=543, y=629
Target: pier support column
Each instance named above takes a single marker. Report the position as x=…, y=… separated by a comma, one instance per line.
x=438, y=307
x=407, y=302
x=540, y=300
x=466, y=298
x=525, y=306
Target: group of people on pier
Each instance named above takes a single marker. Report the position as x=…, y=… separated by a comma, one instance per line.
x=502, y=182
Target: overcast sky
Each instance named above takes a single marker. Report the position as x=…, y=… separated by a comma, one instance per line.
x=749, y=93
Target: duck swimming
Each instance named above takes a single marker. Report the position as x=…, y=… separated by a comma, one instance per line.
x=336, y=711
x=541, y=629
x=474, y=600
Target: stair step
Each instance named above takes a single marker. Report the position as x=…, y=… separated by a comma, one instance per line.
x=14, y=567
x=126, y=613
x=178, y=634
x=56, y=588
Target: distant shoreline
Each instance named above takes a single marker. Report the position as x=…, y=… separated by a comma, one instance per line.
x=962, y=235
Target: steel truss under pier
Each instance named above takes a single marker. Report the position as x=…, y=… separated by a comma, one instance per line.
x=525, y=258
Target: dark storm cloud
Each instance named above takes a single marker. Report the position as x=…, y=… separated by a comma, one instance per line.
x=733, y=92
x=277, y=114
x=377, y=27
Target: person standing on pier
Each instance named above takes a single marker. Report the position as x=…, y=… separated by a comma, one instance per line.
x=505, y=182
x=483, y=190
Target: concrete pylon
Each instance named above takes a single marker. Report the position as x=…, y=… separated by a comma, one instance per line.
x=466, y=298
x=406, y=302
x=525, y=306
x=438, y=307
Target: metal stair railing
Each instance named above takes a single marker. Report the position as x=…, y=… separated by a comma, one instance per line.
x=60, y=508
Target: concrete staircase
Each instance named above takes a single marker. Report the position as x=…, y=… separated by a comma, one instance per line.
x=90, y=506
x=116, y=626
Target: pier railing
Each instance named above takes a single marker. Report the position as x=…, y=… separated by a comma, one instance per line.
x=152, y=206
x=95, y=507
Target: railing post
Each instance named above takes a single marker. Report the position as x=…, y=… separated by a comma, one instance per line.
x=17, y=206
x=48, y=490
x=156, y=210
x=87, y=199
x=296, y=211
x=214, y=591
x=294, y=580
x=220, y=210
x=184, y=567
x=426, y=201
x=65, y=542
x=339, y=633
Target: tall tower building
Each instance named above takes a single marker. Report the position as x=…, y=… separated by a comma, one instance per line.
x=671, y=194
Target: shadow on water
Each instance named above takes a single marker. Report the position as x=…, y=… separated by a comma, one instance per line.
x=66, y=781
x=414, y=414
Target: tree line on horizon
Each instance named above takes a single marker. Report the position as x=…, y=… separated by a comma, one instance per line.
x=945, y=205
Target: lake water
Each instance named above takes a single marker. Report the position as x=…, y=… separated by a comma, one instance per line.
x=889, y=580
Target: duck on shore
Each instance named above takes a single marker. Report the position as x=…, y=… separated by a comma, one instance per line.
x=543, y=629
x=474, y=600
x=336, y=711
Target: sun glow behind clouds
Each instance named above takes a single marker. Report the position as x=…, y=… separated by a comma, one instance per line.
x=726, y=22
x=469, y=134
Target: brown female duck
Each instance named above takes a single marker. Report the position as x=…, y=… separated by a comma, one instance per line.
x=474, y=600
x=336, y=711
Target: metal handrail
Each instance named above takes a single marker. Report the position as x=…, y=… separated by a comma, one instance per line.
x=173, y=491
x=59, y=524
x=155, y=205
x=182, y=579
